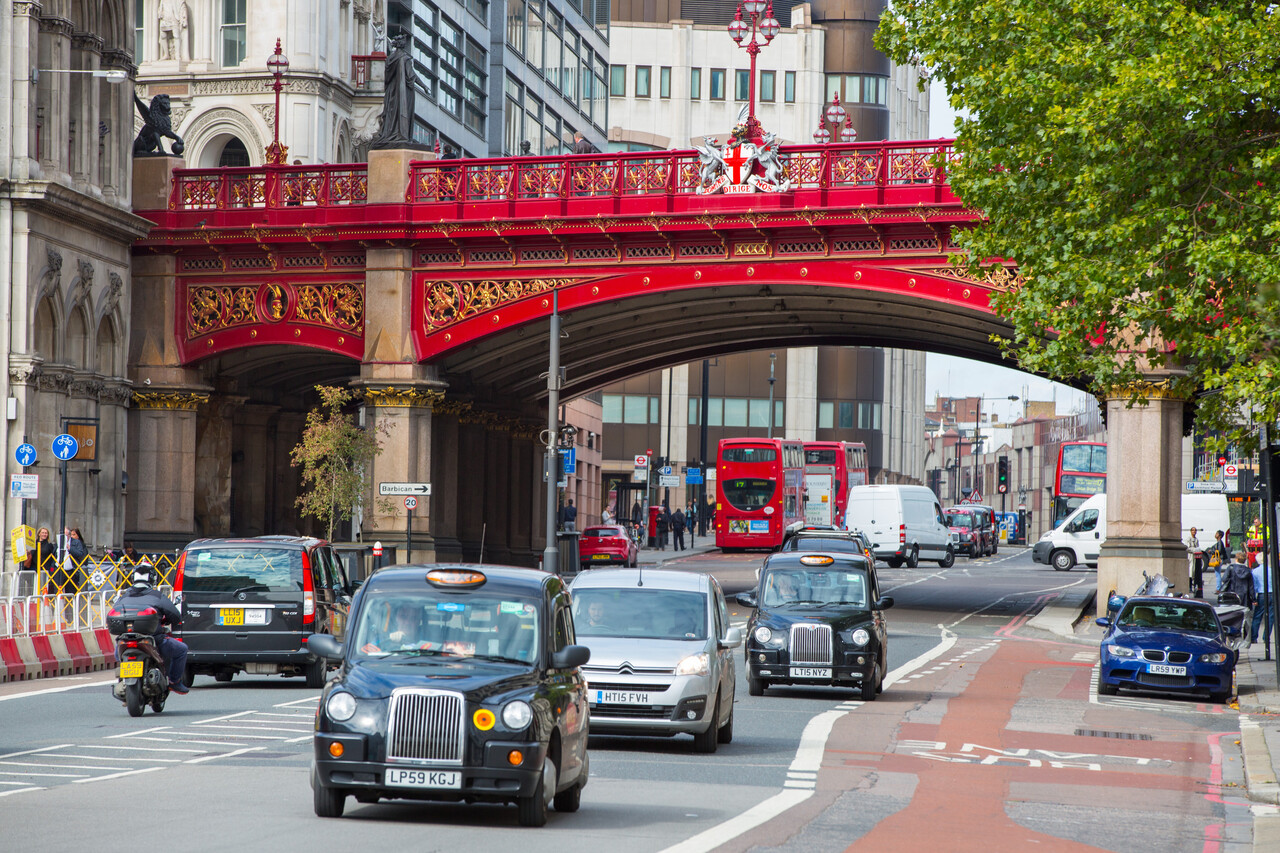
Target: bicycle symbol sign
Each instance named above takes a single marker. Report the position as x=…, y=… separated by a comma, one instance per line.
x=25, y=454
x=65, y=447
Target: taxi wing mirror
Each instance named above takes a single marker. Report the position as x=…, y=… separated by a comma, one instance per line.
x=570, y=657
x=746, y=599
x=325, y=646
x=732, y=638
x=885, y=602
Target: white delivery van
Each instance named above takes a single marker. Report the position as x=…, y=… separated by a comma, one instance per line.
x=904, y=523
x=1079, y=538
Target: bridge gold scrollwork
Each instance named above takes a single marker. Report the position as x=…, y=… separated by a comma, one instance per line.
x=447, y=302
x=997, y=277
x=214, y=308
x=407, y=398
x=171, y=400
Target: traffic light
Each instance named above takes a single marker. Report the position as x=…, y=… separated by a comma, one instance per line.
x=1002, y=475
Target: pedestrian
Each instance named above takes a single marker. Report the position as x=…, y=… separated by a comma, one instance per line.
x=581, y=145
x=43, y=558
x=1216, y=557
x=448, y=185
x=75, y=561
x=691, y=521
x=131, y=553
x=637, y=520
x=569, y=516
x=1263, y=595
x=606, y=517
x=663, y=520
x=1238, y=579
x=677, y=528
x=1193, y=562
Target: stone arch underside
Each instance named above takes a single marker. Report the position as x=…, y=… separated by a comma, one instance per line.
x=608, y=339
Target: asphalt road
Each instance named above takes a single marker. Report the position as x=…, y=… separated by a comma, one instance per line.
x=988, y=738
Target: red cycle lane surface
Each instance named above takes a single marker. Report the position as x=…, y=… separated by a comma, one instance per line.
x=1003, y=751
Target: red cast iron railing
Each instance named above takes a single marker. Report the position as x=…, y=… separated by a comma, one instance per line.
x=269, y=186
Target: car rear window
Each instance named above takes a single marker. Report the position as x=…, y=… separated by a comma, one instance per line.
x=246, y=569
x=603, y=532
x=823, y=543
x=661, y=614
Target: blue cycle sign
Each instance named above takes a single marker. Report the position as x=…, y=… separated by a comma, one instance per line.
x=25, y=454
x=65, y=447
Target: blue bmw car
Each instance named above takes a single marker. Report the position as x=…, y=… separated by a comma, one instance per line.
x=1174, y=645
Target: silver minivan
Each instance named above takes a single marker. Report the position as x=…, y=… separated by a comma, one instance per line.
x=661, y=653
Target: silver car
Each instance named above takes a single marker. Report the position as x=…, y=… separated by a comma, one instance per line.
x=661, y=653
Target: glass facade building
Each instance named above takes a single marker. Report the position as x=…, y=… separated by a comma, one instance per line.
x=498, y=73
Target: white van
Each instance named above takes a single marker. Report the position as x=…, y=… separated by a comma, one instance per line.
x=904, y=523
x=1079, y=538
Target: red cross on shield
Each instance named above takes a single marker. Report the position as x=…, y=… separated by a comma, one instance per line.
x=737, y=160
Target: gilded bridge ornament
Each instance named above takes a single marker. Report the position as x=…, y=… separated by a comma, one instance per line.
x=408, y=398
x=215, y=308
x=447, y=302
x=171, y=400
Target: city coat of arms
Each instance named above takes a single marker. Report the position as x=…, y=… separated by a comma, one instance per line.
x=741, y=165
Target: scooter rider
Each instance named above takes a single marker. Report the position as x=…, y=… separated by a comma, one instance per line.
x=142, y=595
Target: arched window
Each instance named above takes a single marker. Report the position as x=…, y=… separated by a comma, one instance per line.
x=78, y=339
x=45, y=333
x=234, y=154
x=105, y=361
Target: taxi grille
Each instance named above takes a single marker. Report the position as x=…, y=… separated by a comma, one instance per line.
x=425, y=725
x=811, y=644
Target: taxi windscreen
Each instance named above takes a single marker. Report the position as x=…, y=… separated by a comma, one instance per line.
x=823, y=543
x=782, y=587
x=482, y=626
x=243, y=570
x=659, y=614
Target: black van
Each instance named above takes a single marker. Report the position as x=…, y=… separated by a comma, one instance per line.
x=250, y=605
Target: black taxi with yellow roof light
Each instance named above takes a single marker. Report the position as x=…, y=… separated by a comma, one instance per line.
x=457, y=683
x=818, y=620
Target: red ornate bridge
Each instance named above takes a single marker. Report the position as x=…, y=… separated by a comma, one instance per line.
x=646, y=270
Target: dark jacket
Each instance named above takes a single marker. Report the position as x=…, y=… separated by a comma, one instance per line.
x=637, y=514
x=582, y=146
x=78, y=550
x=677, y=521
x=1238, y=578
x=663, y=520
x=1224, y=556
x=137, y=598
x=42, y=556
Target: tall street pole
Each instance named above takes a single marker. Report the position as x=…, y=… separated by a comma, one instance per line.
x=551, y=553
x=773, y=357
x=702, y=448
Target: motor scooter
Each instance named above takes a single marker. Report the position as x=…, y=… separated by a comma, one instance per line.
x=142, y=677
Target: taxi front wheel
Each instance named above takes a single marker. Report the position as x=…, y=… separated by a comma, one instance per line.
x=533, y=808
x=328, y=802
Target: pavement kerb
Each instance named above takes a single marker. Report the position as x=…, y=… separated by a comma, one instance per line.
x=1259, y=771
x=1061, y=615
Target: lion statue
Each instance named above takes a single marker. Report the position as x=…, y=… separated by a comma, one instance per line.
x=156, y=125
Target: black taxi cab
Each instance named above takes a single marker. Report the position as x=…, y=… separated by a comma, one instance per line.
x=456, y=683
x=818, y=620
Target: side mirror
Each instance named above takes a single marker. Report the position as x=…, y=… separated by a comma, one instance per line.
x=1231, y=630
x=1103, y=621
x=746, y=599
x=884, y=602
x=570, y=657
x=325, y=646
x=732, y=639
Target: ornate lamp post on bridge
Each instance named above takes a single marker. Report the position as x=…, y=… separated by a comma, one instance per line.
x=840, y=122
x=761, y=32
x=278, y=65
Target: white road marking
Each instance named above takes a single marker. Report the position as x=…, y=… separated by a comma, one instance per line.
x=813, y=744
x=225, y=754
x=34, y=751
x=253, y=729
x=143, y=749
x=118, y=775
x=60, y=766
x=54, y=775
x=114, y=758
x=45, y=690
x=18, y=790
x=140, y=732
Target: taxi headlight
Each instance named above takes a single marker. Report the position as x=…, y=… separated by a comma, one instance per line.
x=693, y=665
x=1214, y=658
x=763, y=634
x=1120, y=651
x=341, y=706
x=860, y=637
x=517, y=715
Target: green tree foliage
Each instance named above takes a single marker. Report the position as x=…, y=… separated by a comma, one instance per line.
x=333, y=454
x=1124, y=153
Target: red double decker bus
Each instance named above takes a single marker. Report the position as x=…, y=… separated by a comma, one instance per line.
x=830, y=468
x=1081, y=473
x=759, y=491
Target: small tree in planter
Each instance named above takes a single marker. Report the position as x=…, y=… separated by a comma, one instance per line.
x=333, y=454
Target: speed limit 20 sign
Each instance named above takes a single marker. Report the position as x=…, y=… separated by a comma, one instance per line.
x=410, y=502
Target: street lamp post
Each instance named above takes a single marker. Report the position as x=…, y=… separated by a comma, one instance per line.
x=977, y=432
x=773, y=357
x=761, y=32
x=841, y=123
x=278, y=65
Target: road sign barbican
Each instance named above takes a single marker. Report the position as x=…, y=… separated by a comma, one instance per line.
x=404, y=488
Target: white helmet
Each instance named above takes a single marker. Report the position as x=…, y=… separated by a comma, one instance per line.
x=142, y=574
